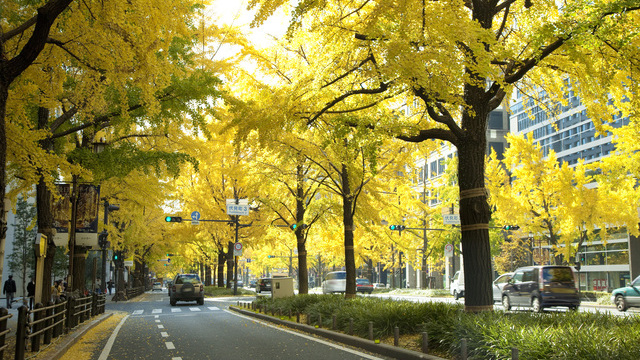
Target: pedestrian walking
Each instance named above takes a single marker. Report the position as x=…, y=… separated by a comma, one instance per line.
x=9, y=289
x=110, y=286
x=31, y=292
x=55, y=291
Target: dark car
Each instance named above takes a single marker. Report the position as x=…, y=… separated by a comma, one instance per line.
x=187, y=287
x=628, y=296
x=364, y=286
x=540, y=287
x=264, y=284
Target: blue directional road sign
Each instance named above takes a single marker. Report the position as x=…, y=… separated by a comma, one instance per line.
x=195, y=218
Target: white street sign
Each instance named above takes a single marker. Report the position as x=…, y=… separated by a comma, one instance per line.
x=237, y=249
x=451, y=219
x=448, y=250
x=242, y=208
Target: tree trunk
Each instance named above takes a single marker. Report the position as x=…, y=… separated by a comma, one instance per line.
x=303, y=272
x=230, y=262
x=207, y=274
x=475, y=213
x=349, y=258
x=4, y=88
x=221, y=260
x=79, y=264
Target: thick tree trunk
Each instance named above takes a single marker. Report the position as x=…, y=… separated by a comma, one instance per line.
x=221, y=260
x=79, y=265
x=303, y=272
x=3, y=165
x=349, y=257
x=475, y=215
x=207, y=275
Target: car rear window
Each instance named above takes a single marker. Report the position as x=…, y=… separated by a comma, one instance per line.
x=557, y=274
x=188, y=279
x=362, y=282
x=340, y=275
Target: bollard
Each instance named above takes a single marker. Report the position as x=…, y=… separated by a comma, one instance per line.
x=350, y=326
x=21, y=332
x=463, y=346
x=298, y=317
x=48, y=323
x=290, y=314
x=514, y=354
x=335, y=323
x=71, y=302
x=94, y=304
x=3, y=327
x=425, y=342
x=37, y=315
x=371, y=330
x=308, y=319
x=320, y=321
x=396, y=336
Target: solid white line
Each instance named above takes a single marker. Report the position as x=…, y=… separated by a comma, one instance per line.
x=107, y=348
x=164, y=334
x=170, y=345
x=340, y=347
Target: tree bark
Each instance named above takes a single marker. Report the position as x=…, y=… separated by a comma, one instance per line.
x=221, y=260
x=301, y=231
x=349, y=257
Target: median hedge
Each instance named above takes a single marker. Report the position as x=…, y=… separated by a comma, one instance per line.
x=490, y=335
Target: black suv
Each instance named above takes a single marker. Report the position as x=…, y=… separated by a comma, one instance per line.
x=187, y=287
x=540, y=287
x=264, y=284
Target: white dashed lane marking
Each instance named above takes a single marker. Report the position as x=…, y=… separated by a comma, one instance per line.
x=164, y=334
x=170, y=345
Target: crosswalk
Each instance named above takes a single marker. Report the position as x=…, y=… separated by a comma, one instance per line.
x=176, y=310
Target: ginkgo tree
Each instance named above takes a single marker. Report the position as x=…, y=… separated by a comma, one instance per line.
x=554, y=201
x=461, y=60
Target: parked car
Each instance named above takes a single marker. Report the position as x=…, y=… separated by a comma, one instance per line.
x=253, y=283
x=364, y=286
x=498, y=285
x=335, y=282
x=457, y=285
x=540, y=287
x=628, y=296
x=157, y=286
x=264, y=284
x=378, y=286
x=187, y=287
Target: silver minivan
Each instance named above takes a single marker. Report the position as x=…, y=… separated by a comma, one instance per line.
x=335, y=282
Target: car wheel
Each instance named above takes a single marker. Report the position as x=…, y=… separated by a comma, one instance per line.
x=172, y=302
x=506, y=303
x=456, y=295
x=535, y=305
x=201, y=301
x=573, y=308
x=621, y=303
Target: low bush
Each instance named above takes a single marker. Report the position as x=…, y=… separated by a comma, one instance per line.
x=218, y=291
x=490, y=335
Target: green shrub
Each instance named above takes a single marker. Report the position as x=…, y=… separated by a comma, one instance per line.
x=490, y=335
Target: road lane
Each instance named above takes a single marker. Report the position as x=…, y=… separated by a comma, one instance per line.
x=156, y=330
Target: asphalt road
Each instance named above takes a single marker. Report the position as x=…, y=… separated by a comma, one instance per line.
x=153, y=329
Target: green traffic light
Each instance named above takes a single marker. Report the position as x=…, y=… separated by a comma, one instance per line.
x=167, y=219
x=392, y=227
x=294, y=226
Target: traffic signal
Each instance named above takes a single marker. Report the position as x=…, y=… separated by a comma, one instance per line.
x=173, y=219
x=582, y=258
x=578, y=265
x=270, y=256
x=295, y=226
x=397, y=227
x=116, y=255
x=510, y=227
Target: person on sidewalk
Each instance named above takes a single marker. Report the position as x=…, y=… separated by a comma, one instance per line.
x=31, y=292
x=9, y=289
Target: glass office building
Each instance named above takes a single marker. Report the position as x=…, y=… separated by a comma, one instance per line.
x=571, y=134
